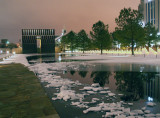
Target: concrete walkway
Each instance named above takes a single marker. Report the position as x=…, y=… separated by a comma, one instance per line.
x=4, y=56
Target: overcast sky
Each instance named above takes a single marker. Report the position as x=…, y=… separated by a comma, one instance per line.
x=71, y=14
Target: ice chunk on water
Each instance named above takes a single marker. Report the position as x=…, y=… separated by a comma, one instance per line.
x=111, y=94
x=106, y=88
x=120, y=94
x=82, y=106
x=149, y=115
x=133, y=114
x=87, y=88
x=158, y=115
x=114, y=113
x=139, y=112
x=94, y=109
x=103, y=92
x=132, y=117
x=131, y=104
x=54, y=98
x=144, y=108
x=151, y=104
x=121, y=116
x=94, y=100
x=69, y=94
x=147, y=111
x=57, y=77
x=95, y=85
x=126, y=110
x=97, y=89
x=90, y=92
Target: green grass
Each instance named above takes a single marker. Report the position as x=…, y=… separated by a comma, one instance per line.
x=21, y=95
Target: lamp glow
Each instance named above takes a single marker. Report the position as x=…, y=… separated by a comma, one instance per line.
x=150, y=99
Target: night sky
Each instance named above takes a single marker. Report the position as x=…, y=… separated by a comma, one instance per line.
x=57, y=14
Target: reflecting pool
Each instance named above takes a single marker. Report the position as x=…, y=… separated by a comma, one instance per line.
x=134, y=85
x=51, y=58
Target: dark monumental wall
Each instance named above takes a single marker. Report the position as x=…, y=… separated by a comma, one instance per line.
x=29, y=44
x=47, y=44
x=29, y=40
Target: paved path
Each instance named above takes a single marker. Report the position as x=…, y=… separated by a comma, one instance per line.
x=4, y=55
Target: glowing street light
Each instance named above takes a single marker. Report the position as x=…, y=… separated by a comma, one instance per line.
x=7, y=42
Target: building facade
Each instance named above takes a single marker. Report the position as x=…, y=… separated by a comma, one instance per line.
x=151, y=12
x=38, y=40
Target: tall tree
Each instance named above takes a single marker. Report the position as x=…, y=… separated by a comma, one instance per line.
x=84, y=40
x=150, y=34
x=63, y=43
x=115, y=38
x=4, y=43
x=156, y=41
x=130, y=28
x=101, y=36
x=11, y=46
x=70, y=40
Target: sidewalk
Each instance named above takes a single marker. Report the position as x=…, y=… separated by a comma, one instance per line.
x=4, y=56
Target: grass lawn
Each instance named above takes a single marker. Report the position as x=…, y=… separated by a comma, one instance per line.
x=21, y=95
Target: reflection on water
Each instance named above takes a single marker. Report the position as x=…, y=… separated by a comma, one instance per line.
x=41, y=59
x=82, y=73
x=152, y=85
x=101, y=77
x=133, y=85
x=51, y=58
x=72, y=72
x=130, y=83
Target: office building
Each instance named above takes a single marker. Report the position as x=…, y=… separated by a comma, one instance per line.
x=151, y=12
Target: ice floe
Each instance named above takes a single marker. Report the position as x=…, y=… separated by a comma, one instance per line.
x=66, y=91
x=151, y=104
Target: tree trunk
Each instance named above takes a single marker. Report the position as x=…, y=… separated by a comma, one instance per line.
x=83, y=46
x=101, y=48
x=71, y=48
x=64, y=48
x=149, y=45
x=101, y=51
x=132, y=39
x=132, y=47
x=156, y=47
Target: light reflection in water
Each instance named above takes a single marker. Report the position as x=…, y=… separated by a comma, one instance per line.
x=136, y=84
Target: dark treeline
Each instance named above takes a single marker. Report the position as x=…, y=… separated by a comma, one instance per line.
x=130, y=33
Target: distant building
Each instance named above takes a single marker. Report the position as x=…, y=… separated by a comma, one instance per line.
x=141, y=6
x=4, y=43
x=38, y=40
x=58, y=38
x=151, y=12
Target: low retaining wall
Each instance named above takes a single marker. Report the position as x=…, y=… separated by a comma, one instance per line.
x=16, y=50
